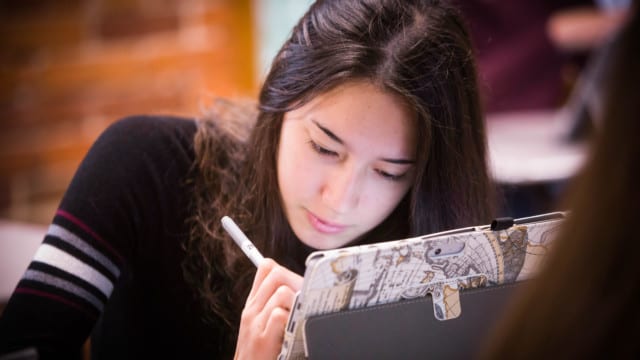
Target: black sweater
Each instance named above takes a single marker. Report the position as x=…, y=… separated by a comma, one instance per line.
x=111, y=260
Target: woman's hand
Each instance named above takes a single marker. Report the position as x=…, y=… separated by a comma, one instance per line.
x=266, y=311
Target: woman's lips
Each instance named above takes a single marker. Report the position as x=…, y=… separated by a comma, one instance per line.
x=323, y=226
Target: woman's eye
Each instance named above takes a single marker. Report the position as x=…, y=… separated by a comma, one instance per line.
x=391, y=177
x=320, y=150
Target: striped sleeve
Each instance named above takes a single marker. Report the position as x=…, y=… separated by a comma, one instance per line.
x=114, y=216
x=74, y=267
x=63, y=291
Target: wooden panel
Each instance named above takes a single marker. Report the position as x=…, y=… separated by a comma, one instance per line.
x=66, y=75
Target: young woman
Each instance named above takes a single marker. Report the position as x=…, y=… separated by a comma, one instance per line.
x=368, y=129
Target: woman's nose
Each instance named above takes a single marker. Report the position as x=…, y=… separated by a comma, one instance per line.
x=341, y=192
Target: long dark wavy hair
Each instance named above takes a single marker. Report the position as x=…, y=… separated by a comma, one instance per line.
x=419, y=49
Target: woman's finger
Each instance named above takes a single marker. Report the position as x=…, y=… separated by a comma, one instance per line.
x=275, y=327
x=264, y=269
x=275, y=277
x=279, y=304
x=266, y=311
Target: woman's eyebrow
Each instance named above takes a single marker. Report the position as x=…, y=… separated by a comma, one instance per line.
x=328, y=132
x=399, y=161
x=337, y=139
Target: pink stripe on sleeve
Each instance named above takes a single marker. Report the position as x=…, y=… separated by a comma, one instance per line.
x=86, y=228
x=23, y=290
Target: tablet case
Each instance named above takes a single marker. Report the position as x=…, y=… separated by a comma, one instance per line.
x=408, y=329
x=437, y=268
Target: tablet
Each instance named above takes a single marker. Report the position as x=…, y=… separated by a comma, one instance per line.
x=438, y=265
x=408, y=330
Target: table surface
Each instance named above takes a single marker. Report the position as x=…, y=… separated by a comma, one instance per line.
x=531, y=147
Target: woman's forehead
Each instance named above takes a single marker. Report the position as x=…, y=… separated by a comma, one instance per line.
x=360, y=112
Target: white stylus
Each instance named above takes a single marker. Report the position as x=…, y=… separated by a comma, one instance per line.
x=242, y=240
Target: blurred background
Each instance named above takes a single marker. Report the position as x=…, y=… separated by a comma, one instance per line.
x=69, y=68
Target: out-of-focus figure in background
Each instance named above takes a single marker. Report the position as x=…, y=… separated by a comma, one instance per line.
x=529, y=51
x=538, y=64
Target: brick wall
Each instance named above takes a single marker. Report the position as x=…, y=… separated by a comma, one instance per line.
x=68, y=68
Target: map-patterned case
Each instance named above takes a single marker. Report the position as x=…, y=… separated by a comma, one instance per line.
x=439, y=265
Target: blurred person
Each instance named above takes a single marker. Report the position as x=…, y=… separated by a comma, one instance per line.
x=537, y=73
x=586, y=27
x=368, y=128
x=529, y=52
x=584, y=302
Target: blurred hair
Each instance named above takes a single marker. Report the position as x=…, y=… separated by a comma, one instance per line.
x=584, y=302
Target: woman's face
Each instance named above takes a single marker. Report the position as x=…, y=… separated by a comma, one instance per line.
x=345, y=160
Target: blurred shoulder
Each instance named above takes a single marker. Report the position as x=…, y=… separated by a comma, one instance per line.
x=152, y=127
x=141, y=140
